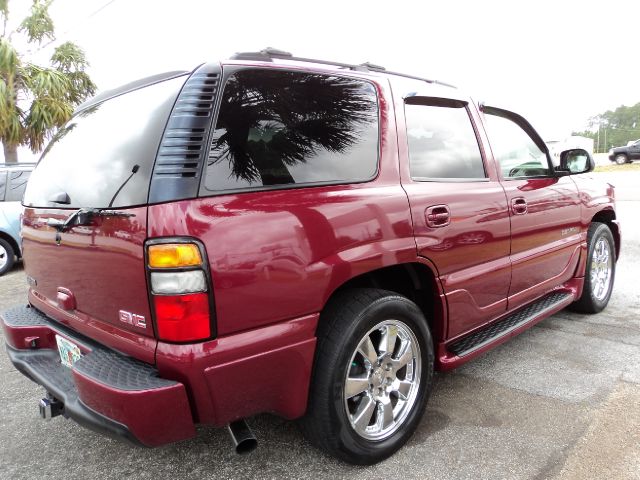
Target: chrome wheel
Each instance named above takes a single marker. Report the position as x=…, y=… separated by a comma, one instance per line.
x=601, y=269
x=382, y=380
x=4, y=257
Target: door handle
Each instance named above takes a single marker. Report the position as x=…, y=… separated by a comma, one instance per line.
x=519, y=206
x=437, y=216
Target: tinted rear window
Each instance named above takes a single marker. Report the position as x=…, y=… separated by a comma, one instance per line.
x=95, y=152
x=282, y=129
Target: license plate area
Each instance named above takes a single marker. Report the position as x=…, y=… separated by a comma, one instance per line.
x=69, y=352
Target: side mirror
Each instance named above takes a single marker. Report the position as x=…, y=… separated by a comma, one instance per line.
x=575, y=161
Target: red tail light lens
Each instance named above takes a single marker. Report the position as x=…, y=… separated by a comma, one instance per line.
x=182, y=318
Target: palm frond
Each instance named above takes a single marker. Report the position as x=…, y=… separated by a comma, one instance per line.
x=8, y=58
x=38, y=25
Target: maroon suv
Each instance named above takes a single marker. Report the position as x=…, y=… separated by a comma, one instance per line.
x=307, y=238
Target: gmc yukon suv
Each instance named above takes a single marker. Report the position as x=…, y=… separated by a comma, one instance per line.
x=306, y=238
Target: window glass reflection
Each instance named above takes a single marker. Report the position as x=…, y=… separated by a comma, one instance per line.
x=94, y=153
x=442, y=143
x=283, y=128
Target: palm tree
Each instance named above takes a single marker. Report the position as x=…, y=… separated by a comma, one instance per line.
x=36, y=100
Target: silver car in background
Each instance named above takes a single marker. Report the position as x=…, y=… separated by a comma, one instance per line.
x=13, y=180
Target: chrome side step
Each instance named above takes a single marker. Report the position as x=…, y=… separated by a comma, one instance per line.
x=478, y=339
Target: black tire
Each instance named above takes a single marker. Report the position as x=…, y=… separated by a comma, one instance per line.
x=588, y=301
x=621, y=159
x=345, y=321
x=8, y=255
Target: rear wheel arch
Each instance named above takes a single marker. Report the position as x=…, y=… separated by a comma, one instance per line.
x=416, y=281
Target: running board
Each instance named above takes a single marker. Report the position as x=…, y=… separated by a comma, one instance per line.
x=489, y=334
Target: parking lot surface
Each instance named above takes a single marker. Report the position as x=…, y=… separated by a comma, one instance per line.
x=562, y=400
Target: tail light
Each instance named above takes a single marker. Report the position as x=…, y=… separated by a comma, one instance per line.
x=180, y=291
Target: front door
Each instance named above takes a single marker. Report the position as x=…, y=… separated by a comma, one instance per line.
x=544, y=208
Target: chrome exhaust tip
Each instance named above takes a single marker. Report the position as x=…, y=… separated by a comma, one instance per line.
x=243, y=438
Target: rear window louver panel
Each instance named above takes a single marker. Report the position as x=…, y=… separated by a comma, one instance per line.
x=183, y=149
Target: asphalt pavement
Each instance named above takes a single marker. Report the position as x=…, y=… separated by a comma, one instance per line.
x=560, y=401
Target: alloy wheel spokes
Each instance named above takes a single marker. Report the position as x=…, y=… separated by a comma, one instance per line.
x=601, y=269
x=382, y=380
x=355, y=386
x=363, y=414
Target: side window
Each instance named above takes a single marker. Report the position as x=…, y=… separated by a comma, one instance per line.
x=279, y=128
x=516, y=152
x=3, y=184
x=442, y=143
x=17, y=183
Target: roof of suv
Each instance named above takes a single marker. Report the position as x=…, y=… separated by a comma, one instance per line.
x=269, y=57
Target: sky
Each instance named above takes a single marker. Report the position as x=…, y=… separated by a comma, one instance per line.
x=555, y=62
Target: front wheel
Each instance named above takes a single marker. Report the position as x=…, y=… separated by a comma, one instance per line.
x=372, y=376
x=601, y=270
x=621, y=159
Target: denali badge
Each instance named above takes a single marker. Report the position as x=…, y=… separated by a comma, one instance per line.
x=133, y=319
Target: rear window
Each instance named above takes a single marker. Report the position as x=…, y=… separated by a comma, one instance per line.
x=279, y=129
x=92, y=156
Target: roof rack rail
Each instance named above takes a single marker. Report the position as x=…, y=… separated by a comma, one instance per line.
x=269, y=53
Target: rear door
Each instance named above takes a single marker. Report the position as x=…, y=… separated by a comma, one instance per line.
x=544, y=209
x=92, y=276
x=458, y=209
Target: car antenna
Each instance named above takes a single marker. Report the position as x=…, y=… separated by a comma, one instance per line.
x=134, y=170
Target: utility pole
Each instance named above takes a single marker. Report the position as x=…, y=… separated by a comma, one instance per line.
x=605, y=139
x=598, y=142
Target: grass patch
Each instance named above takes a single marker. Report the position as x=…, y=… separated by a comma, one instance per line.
x=627, y=167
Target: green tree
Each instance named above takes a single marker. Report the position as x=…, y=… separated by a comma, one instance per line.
x=36, y=100
x=614, y=128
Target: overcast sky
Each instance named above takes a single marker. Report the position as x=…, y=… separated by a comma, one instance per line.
x=556, y=62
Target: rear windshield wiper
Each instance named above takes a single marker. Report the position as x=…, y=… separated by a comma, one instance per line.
x=84, y=216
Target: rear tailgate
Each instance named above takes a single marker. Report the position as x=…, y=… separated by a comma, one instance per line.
x=92, y=278
x=90, y=273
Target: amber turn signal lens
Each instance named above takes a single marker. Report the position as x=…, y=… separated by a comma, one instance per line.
x=173, y=255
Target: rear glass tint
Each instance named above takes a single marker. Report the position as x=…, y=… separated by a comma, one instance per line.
x=91, y=157
x=278, y=129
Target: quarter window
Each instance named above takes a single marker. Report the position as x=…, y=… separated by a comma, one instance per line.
x=442, y=143
x=513, y=148
x=278, y=129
